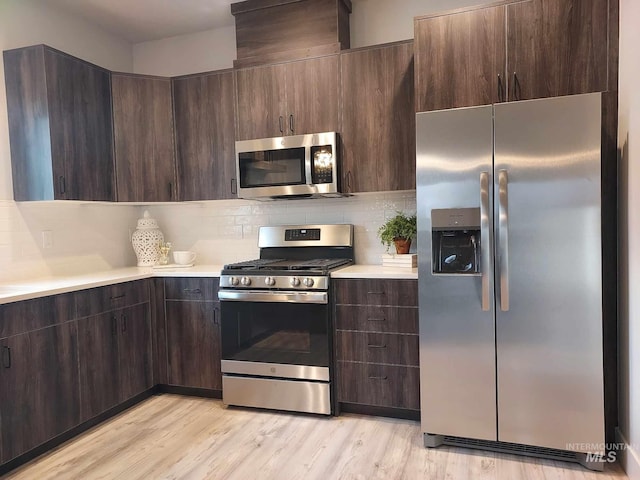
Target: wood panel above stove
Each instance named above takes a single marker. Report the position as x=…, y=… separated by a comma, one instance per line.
x=271, y=31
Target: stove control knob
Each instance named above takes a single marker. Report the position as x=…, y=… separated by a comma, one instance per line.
x=234, y=281
x=294, y=281
x=308, y=282
x=246, y=281
x=270, y=281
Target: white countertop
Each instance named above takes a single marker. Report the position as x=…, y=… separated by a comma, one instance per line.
x=375, y=271
x=41, y=287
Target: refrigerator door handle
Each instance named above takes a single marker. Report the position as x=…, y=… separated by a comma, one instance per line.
x=485, y=259
x=503, y=237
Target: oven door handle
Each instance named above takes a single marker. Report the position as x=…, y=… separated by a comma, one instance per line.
x=273, y=296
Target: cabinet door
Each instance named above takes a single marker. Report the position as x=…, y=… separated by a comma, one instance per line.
x=98, y=364
x=460, y=59
x=134, y=349
x=261, y=102
x=81, y=129
x=557, y=47
x=205, y=148
x=378, y=119
x=193, y=338
x=143, y=130
x=39, y=398
x=312, y=96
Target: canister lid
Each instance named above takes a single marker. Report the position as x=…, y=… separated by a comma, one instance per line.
x=146, y=222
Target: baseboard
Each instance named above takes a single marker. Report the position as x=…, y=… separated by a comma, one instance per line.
x=189, y=391
x=379, y=411
x=628, y=457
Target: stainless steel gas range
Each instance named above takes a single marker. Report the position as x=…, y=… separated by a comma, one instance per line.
x=276, y=319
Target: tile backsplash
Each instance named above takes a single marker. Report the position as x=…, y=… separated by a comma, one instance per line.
x=86, y=236
x=227, y=231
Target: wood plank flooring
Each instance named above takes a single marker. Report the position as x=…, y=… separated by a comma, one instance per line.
x=175, y=437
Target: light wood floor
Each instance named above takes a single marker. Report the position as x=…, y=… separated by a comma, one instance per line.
x=174, y=437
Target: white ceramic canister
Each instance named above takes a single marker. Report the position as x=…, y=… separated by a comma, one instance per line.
x=146, y=241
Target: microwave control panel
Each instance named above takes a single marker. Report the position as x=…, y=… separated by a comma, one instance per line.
x=322, y=164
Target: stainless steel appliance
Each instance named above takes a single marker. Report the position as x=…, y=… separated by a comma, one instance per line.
x=509, y=213
x=294, y=166
x=276, y=319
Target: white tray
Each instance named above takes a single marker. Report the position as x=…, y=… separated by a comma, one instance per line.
x=173, y=265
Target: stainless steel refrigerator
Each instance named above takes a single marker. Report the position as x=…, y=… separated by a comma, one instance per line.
x=510, y=283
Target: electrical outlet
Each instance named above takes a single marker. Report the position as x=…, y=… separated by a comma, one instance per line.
x=47, y=239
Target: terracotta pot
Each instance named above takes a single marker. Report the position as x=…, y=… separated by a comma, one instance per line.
x=402, y=245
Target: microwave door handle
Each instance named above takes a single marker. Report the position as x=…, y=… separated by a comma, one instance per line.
x=307, y=165
x=503, y=236
x=485, y=259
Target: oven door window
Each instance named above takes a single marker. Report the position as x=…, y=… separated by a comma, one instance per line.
x=272, y=168
x=283, y=333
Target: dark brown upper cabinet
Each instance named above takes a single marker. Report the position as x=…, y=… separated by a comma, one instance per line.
x=557, y=47
x=143, y=131
x=204, y=112
x=60, y=128
x=460, y=59
x=549, y=48
x=288, y=99
x=378, y=118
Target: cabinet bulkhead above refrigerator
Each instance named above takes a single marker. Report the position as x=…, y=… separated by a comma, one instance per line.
x=510, y=282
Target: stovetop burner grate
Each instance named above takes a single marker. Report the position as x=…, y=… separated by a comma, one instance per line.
x=324, y=264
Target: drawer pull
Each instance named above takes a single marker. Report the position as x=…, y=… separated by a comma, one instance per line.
x=117, y=297
x=377, y=319
x=372, y=377
x=194, y=291
x=375, y=293
x=376, y=346
x=6, y=357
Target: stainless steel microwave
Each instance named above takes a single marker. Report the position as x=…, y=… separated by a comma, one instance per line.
x=285, y=167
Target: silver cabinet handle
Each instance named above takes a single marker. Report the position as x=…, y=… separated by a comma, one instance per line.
x=503, y=236
x=485, y=258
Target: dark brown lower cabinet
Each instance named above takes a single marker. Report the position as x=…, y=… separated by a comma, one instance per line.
x=39, y=398
x=115, y=358
x=377, y=344
x=193, y=333
x=379, y=385
x=99, y=364
x=374, y=347
x=134, y=349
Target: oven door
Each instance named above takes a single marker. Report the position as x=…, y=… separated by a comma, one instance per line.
x=275, y=334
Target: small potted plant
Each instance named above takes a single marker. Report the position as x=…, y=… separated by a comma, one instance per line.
x=398, y=230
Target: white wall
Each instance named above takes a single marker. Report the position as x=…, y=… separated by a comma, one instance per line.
x=196, y=52
x=372, y=22
x=629, y=195
x=85, y=236
x=383, y=21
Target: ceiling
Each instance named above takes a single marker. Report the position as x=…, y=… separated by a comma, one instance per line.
x=144, y=20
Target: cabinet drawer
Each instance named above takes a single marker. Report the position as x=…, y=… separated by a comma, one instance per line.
x=389, y=348
x=189, y=288
x=379, y=385
x=375, y=291
x=103, y=299
x=377, y=318
x=29, y=315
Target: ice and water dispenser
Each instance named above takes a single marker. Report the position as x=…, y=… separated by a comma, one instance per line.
x=456, y=241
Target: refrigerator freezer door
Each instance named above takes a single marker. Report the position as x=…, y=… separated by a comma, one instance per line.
x=457, y=328
x=549, y=328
